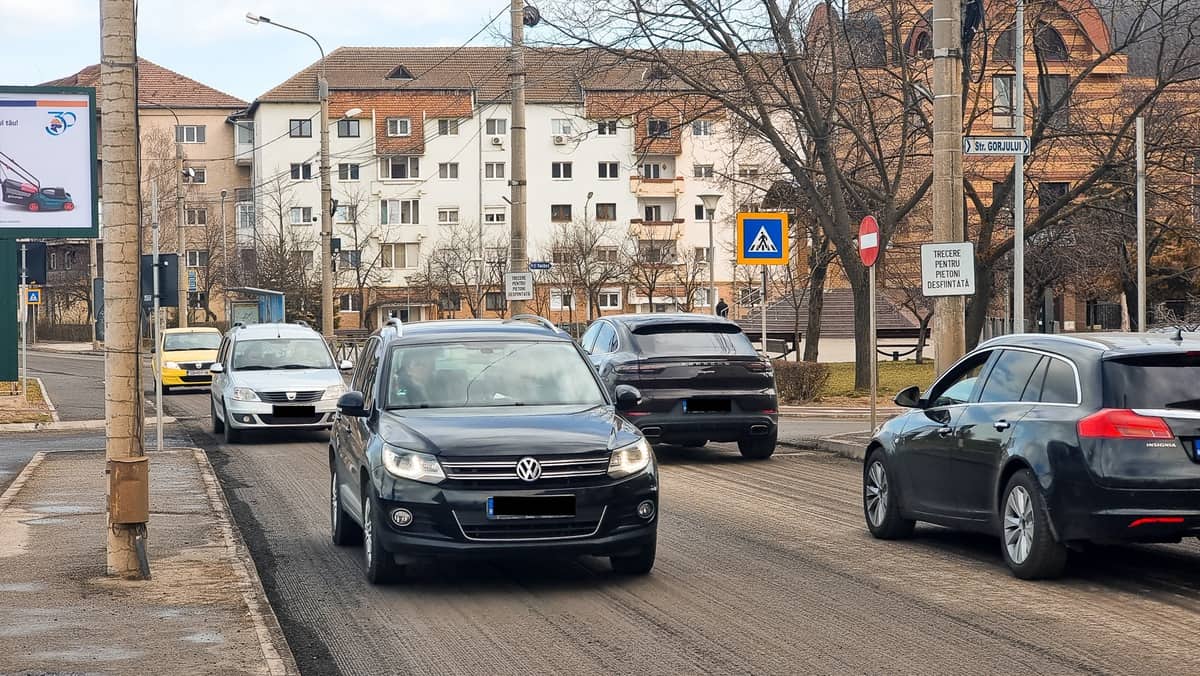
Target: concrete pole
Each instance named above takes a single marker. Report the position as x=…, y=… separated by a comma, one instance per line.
x=518, y=258
x=1141, y=224
x=326, y=216
x=1018, y=111
x=712, y=276
x=181, y=222
x=122, y=250
x=949, y=338
x=93, y=274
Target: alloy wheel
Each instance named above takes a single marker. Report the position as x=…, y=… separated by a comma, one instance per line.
x=334, y=508
x=1018, y=524
x=877, y=493
x=368, y=531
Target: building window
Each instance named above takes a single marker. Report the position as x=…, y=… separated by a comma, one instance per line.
x=243, y=214
x=560, y=170
x=69, y=257
x=700, y=299
x=1051, y=90
x=197, y=258
x=196, y=216
x=653, y=212
x=658, y=128
x=1002, y=102
x=448, y=216
x=399, y=168
x=560, y=299
x=189, y=133
x=348, y=128
x=651, y=170
x=609, y=170
x=560, y=213
x=560, y=256
x=348, y=302
x=400, y=255
x=494, y=300
x=701, y=253
x=301, y=215
x=606, y=128
x=493, y=170
x=400, y=212
x=560, y=126
x=398, y=126
x=496, y=126
x=606, y=211
x=300, y=128
x=449, y=302
x=610, y=300
x=346, y=213
x=494, y=215
x=306, y=260
x=496, y=254
x=245, y=132
x=702, y=128
x=301, y=172
x=748, y=171
x=349, y=258
x=448, y=127
x=347, y=172
x=52, y=262
x=702, y=170
x=197, y=175
x=702, y=215
x=448, y=170
x=607, y=254
x=656, y=251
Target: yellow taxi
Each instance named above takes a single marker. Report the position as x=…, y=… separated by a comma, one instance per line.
x=185, y=356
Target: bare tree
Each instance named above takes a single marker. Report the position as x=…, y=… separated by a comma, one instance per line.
x=901, y=280
x=651, y=258
x=360, y=260
x=284, y=253
x=688, y=275
x=587, y=256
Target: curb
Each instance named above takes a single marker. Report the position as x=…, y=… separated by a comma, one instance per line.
x=838, y=413
x=275, y=650
x=19, y=482
x=46, y=398
x=53, y=350
x=845, y=449
x=69, y=425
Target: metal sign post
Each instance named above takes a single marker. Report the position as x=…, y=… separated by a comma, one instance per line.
x=764, y=312
x=868, y=252
x=762, y=239
x=158, y=412
x=22, y=384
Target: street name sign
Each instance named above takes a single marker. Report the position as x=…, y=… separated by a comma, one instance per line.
x=948, y=269
x=518, y=285
x=540, y=265
x=762, y=239
x=996, y=145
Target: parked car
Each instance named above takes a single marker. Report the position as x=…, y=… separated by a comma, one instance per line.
x=1049, y=442
x=700, y=379
x=470, y=438
x=183, y=356
x=272, y=376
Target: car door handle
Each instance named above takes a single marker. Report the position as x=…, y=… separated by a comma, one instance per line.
x=945, y=431
x=1001, y=425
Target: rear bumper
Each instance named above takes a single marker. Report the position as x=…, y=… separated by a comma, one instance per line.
x=711, y=426
x=1126, y=515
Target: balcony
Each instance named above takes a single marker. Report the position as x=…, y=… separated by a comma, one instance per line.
x=656, y=187
x=243, y=154
x=656, y=230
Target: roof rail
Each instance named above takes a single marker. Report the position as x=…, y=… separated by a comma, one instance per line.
x=237, y=325
x=393, y=323
x=301, y=322
x=546, y=323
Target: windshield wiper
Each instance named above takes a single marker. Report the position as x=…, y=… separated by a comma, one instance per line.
x=298, y=366
x=253, y=367
x=406, y=407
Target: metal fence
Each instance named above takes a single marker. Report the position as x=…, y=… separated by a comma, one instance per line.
x=346, y=347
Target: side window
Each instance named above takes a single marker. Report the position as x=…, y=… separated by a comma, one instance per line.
x=1010, y=375
x=606, y=339
x=1059, y=387
x=957, y=385
x=589, y=336
x=1034, y=389
x=370, y=373
x=223, y=352
x=357, y=380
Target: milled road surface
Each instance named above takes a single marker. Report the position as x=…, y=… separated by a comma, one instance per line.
x=763, y=568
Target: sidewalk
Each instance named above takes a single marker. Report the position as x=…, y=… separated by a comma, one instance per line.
x=66, y=348
x=883, y=412
x=204, y=611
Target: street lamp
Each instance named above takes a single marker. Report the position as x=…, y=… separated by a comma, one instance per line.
x=326, y=190
x=710, y=200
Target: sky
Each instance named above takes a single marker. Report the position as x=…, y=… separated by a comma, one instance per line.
x=210, y=40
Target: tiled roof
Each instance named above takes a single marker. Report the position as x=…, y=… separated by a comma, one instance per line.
x=158, y=85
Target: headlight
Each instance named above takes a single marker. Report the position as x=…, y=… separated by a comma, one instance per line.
x=411, y=465
x=334, y=391
x=244, y=394
x=171, y=364
x=630, y=459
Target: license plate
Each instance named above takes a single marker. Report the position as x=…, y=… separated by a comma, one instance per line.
x=707, y=406
x=294, y=411
x=197, y=373
x=1196, y=449
x=514, y=506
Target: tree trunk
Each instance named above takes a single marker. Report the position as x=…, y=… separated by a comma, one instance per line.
x=1129, y=290
x=924, y=328
x=861, y=291
x=816, y=305
x=976, y=314
x=122, y=252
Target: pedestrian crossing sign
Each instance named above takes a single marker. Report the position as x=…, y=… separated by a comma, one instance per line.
x=762, y=239
x=33, y=296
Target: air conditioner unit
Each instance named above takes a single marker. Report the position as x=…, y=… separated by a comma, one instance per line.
x=497, y=140
x=560, y=140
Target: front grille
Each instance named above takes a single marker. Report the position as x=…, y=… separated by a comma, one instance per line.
x=269, y=419
x=531, y=529
x=282, y=397
x=196, y=379
x=554, y=468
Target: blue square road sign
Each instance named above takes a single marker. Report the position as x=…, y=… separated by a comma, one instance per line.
x=762, y=239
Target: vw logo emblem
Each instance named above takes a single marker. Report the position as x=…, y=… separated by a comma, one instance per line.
x=291, y=396
x=529, y=469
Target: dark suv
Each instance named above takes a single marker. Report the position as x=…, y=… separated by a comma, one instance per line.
x=699, y=377
x=1049, y=442
x=468, y=438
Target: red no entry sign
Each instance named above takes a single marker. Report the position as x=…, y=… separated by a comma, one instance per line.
x=868, y=241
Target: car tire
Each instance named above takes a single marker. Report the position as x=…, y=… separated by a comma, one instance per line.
x=1027, y=543
x=640, y=563
x=379, y=565
x=758, y=448
x=344, y=532
x=232, y=434
x=218, y=427
x=881, y=504
x=166, y=389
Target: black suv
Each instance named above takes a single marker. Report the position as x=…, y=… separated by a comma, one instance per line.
x=699, y=377
x=487, y=438
x=1048, y=442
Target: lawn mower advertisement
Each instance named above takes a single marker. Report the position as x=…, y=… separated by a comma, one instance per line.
x=47, y=162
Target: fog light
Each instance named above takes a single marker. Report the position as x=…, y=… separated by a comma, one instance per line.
x=401, y=517
x=645, y=509
x=248, y=419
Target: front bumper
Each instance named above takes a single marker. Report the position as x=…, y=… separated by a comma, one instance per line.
x=606, y=522
x=180, y=377
x=251, y=414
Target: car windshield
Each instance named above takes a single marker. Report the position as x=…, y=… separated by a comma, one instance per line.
x=509, y=373
x=281, y=353
x=176, y=342
x=692, y=339
x=1153, y=381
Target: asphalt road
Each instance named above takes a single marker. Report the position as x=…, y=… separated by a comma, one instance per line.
x=763, y=568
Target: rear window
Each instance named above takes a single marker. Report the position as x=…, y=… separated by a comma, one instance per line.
x=692, y=339
x=1153, y=381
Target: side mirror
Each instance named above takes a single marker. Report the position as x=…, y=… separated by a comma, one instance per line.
x=909, y=397
x=351, y=404
x=216, y=367
x=345, y=365
x=628, y=397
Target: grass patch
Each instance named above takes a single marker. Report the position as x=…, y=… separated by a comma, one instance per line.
x=28, y=407
x=893, y=377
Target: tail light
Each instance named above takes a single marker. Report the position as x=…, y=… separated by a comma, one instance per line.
x=758, y=367
x=1119, y=423
x=637, y=369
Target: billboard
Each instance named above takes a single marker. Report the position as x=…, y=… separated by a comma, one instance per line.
x=48, y=162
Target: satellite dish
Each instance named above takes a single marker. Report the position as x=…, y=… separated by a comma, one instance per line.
x=532, y=16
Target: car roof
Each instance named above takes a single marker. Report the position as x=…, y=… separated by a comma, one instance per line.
x=1107, y=345
x=253, y=331
x=192, y=329
x=636, y=321
x=471, y=329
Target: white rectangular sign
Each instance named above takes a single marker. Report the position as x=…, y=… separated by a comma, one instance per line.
x=948, y=269
x=996, y=145
x=518, y=285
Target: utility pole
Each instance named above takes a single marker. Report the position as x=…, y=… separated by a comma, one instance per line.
x=518, y=258
x=326, y=206
x=179, y=219
x=123, y=406
x=1018, y=111
x=93, y=273
x=949, y=336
